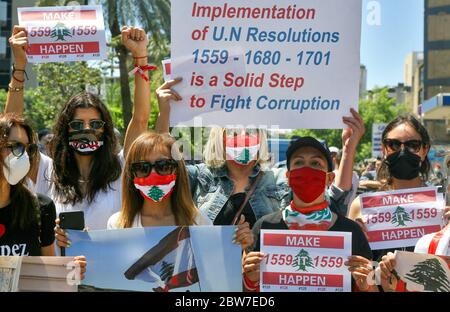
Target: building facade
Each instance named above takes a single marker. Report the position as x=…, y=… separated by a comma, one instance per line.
x=436, y=48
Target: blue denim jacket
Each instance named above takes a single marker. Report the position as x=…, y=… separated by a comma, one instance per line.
x=211, y=188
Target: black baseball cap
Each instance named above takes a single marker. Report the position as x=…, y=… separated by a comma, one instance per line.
x=299, y=142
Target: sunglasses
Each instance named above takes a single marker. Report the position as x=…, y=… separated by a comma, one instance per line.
x=412, y=145
x=95, y=124
x=163, y=167
x=17, y=148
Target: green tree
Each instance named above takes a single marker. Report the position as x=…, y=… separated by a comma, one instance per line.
x=3, y=94
x=60, y=31
x=431, y=275
x=302, y=261
x=400, y=216
x=153, y=16
x=166, y=271
x=377, y=108
x=57, y=82
x=155, y=193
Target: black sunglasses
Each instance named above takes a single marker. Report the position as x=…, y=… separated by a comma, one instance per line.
x=93, y=124
x=142, y=169
x=17, y=148
x=412, y=145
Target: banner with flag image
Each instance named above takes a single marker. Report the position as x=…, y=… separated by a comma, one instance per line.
x=160, y=259
x=423, y=272
x=170, y=263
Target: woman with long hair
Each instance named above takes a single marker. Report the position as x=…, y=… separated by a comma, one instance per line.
x=156, y=191
x=155, y=187
x=27, y=220
x=85, y=166
x=405, y=145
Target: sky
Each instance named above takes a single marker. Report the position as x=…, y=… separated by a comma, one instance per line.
x=384, y=47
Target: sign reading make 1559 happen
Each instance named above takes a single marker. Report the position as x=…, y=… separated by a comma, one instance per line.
x=291, y=63
x=400, y=218
x=305, y=261
x=60, y=34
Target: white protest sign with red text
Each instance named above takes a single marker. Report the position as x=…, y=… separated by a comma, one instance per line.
x=400, y=218
x=61, y=34
x=286, y=63
x=310, y=261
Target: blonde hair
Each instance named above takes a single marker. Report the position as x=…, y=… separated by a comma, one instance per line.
x=213, y=153
x=183, y=206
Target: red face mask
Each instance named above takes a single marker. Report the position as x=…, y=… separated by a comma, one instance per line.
x=307, y=183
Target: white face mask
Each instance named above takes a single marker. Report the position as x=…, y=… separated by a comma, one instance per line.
x=16, y=168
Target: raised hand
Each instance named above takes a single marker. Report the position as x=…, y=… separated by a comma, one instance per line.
x=355, y=131
x=19, y=45
x=135, y=40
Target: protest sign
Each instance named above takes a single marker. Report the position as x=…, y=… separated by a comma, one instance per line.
x=423, y=272
x=305, y=261
x=290, y=63
x=377, y=131
x=61, y=34
x=160, y=259
x=400, y=218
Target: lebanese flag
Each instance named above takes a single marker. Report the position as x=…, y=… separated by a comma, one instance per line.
x=170, y=263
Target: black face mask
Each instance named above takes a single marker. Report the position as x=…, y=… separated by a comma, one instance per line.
x=404, y=165
x=85, y=142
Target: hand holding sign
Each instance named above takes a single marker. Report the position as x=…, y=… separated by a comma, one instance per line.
x=388, y=278
x=19, y=44
x=251, y=265
x=136, y=40
x=165, y=94
x=244, y=235
x=360, y=268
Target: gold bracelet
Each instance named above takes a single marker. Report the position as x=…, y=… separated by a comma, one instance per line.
x=15, y=89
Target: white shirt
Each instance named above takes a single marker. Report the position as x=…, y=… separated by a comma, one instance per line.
x=96, y=213
x=443, y=247
x=42, y=184
x=200, y=219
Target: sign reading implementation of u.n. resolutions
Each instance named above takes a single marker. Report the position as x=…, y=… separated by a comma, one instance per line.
x=305, y=261
x=287, y=63
x=400, y=218
x=60, y=34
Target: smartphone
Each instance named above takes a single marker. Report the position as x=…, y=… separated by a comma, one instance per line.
x=71, y=220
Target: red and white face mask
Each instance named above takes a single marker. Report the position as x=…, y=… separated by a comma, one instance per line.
x=156, y=187
x=242, y=148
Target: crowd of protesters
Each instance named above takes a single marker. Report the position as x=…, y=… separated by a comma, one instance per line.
x=78, y=165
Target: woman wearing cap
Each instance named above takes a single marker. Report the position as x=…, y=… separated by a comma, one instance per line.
x=310, y=172
x=405, y=144
x=236, y=169
x=84, y=172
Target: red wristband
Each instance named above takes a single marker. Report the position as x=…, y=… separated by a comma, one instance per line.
x=141, y=70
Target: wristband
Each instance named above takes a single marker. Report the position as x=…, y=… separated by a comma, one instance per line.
x=141, y=70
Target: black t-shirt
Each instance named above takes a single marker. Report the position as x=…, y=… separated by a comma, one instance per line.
x=27, y=242
x=274, y=221
x=230, y=209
